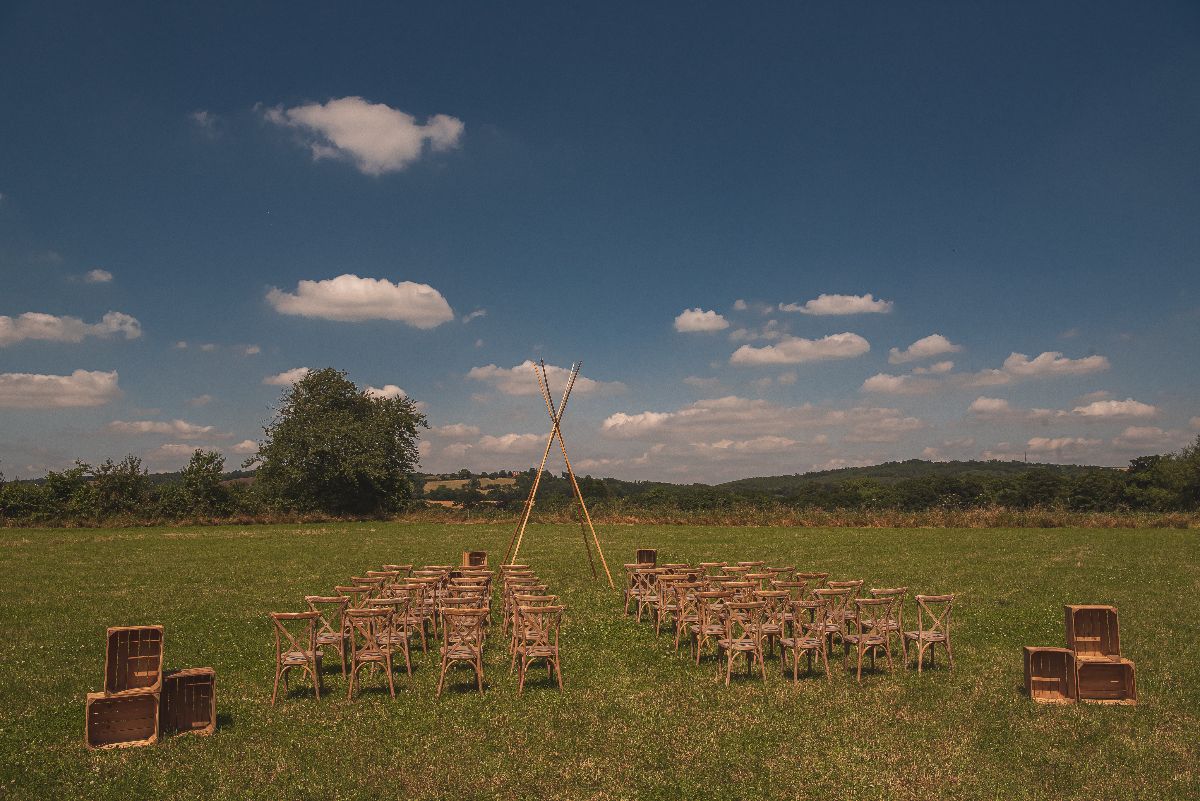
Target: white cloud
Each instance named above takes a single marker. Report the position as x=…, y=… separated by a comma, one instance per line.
x=456, y=431
x=475, y=315
x=840, y=304
x=80, y=388
x=52, y=328
x=1062, y=445
x=990, y=407
x=770, y=332
x=511, y=443
x=176, y=450
x=286, y=378
x=796, y=350
x=251, y=350
x=386, y=391
x=937, y=368
x=200, y=400
x=175, y=428
x=349, y=298
x=997, y=409
x=740, y=305
x=181, y=345
x=765, y=444
x=521, y=380
x=924, y=348
x=98, y=276
x=1049, y=364
x=375, y=137
x=788, y=379
x=205, y=121
x=246, y=446
x=697, y=319
x=1115, y=408
x=1146, y=438
x=899, y=385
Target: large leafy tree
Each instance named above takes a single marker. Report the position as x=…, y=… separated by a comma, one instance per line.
x=336, y=449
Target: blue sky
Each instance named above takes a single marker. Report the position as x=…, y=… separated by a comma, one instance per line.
x=732, y=217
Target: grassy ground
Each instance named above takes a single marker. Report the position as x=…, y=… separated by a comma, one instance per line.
x=635, y=720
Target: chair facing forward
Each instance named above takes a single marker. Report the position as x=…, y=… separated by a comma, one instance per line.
x=538, y=639
x=933, y=627
x=296, y=647
x=368, y=627
x=462, y=641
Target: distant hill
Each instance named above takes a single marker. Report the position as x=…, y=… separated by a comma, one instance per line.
x=893, y=472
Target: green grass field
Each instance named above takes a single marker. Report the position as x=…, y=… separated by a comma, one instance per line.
x=636, y=721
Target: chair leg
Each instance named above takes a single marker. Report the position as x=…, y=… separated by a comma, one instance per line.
x=316, y=676
x=521, y=676
x=558, y=671
x=275, y=692
x=391, y=684
x=442, y=678
x=479, y=671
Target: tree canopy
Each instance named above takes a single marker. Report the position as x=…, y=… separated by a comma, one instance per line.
x=337, y=449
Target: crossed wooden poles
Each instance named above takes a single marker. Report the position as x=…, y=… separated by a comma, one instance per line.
x=514, y=544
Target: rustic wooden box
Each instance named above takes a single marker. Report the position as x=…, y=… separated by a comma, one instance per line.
x=1108, y=682
x=121, y=721
x=189, y=701
x=474, y=559
x=1050, y=675
x=1093, y=633
x=647, y=556
x=133, y=659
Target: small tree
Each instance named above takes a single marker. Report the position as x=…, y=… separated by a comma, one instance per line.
x=121, y=487
x=202, y=482
x=335, y=449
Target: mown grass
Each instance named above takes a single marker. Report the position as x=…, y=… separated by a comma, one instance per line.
x=635, y=720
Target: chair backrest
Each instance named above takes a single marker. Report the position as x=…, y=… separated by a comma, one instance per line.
x=685, y=599
x=834, y=603
x=899, y=593
x=327, y=606
x=397, y=609
x=742, y=590
x=540, y=624
x=933, y=613
x=795, y=589
x=295, y=631
x=404, y=570
x=712, y=567
x=367, y=625
x=664, y=587
x=512, y=568
x=854, y=585
x=756, y=564
x=744, y=619
x=711, y=605
x=815, y=581
x=780, y=571
x=873, y=613
x=373, y=584
x=463, y=626
x=736, y=570
x=762, y=579
x=357, y=594
x=776, y=604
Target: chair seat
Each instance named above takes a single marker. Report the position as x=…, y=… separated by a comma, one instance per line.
x=802, y=643
x=369, y=655
x=927, y=636
x=298, y=657
x=737, y=645
x=535, y=651
x=460, y=652
x=330, y=638
x=865, y=639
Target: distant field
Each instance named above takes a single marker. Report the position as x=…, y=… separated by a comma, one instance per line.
x=459, y=483
x=635, y=721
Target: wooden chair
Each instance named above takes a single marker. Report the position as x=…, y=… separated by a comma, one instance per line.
x=367, y=628
x=462, y=641
x=831, y=622
x=538, y=639
x=796, y=590
x=711, y=623
x=357, y=594
x=761, y=578
x=895, y=626
x=743, y=636
x=806, y=639
x=372, y=583
x=855, y=587
x=664, y=599
x=390, y=578
x=870, y=634
x=330, y=633
x=712, y=567
x=296, y=647
x=397, y=631
x=776, y=606
x=933, y=627
x=687, y=608
x=416, y=612
x=742, y=590
x=646, y=589
x=520, y=599
x=815, y=581
x=404, y=570
x=755, y=565
x=738, y=570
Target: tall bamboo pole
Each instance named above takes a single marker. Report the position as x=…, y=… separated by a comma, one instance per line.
x=544, y=386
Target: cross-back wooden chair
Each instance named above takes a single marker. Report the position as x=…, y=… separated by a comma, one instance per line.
x=646, y=589
x=397, y=631
x=462, y=641
x=404, y=570
x=539, y=640
x=780, y=573
x=711, y=624
x=664, y=600
x=831, y=622
x=895, y=627
x=687, y=608
x=367, y=627
x=762, y=579
x=510, y=599
x=743, y=637
x=419, y=613
x=524, y=599
x=870, y=633
x=855, y=587
x=390, y=577
x=296, y=647
x=742, y=590
x=756, y=564
x=804, y=639
x=373, y=583
x=738, y=570
x=712, y=567
x=357, y=594
x=933, y=627
x=815, y=581
x=331, y=630
x=796, y=591
x=776, y=606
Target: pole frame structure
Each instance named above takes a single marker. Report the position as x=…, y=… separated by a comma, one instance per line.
x=514, y=545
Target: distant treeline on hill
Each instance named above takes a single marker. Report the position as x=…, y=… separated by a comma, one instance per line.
x=123, y=492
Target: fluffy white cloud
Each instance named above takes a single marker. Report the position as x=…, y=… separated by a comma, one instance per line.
x=998, y=409
x=990, y=407
x=375, y=137
x=286, y=378
x=475, y=315
x=175, y=428
x=1045, y=365
x=246, y=446
x=740, y=305
x=98, y=276
x=456, y=431
x=937, y=368
x=521, y=380
x=511, y=443
x=386, y=391
x=697, y=319
x=765, y=444
x=924, y=348
x=1062, y=445
x=1115, y=408
x=885, y=384
x=251, y=350
x=80, y=388
x=52, y=328
x=796, y=350
x=349, y=298
x=840, y=304
x=770, y=332
x=1146, y=438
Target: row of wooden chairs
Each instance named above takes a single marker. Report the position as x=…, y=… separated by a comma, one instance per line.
x=533, y=619
x=747, y=609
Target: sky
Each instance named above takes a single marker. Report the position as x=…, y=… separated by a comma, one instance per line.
x=779, y=238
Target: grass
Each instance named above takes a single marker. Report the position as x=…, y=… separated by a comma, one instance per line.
x=635, y=720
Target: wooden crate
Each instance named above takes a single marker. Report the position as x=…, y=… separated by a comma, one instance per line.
x=1092, y=632
x=189, y=701
x=133, y=659
x=1050, y=675
x=1108, y=682
x=121, y=721
x=474, y=559
x=647, y=556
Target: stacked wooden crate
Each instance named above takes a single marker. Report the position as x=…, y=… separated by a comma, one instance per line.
x=139, y=701
x=1090, y=668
